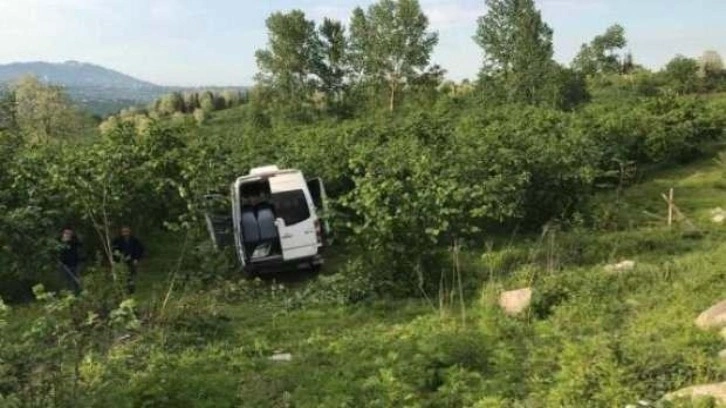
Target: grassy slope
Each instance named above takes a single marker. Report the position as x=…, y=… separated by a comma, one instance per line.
x=591, y=336
x=610, y=339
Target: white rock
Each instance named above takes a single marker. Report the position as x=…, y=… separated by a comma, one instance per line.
x=718, y=215
x=281, y=357
x=714, y=317
x=515, y=302
x=620, y=267
x=640, y=404
x=717, y=391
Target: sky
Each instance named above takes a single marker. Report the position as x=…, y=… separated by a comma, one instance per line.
x=212, y=42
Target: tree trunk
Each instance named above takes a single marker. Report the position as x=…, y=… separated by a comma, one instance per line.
x=392, y=99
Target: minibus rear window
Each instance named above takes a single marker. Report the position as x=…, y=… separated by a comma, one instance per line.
x=291, y=206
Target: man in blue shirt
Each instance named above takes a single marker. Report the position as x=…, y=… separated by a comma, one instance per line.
x=129, y=249
x=70, y=259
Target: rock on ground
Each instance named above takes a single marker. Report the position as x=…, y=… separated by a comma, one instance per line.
x=620, y=267
x=515, y=302
x=714, y=317
x=281, y=357
x=718, y=215
x=717, y=391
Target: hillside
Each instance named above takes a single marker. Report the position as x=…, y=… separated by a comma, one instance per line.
x=73, y=74
x=590, y=335
x=95, y=88
x=542, y=236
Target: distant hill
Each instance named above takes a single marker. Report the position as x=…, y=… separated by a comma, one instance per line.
x=73, y=74
x=95, y=88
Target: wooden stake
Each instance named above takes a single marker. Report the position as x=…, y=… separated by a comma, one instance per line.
x=670, y=207
x=674, y=210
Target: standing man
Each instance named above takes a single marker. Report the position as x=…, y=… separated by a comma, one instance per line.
x=70, y=259
x=131, y=251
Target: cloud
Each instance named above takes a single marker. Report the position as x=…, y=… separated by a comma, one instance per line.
x=172, y=12
x=453, y=14
x=335, y=12
x=444, y=15
x=573, y=5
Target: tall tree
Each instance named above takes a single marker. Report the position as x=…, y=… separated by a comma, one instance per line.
x=426, y=88
x=207, y=101
x=332, y=65
x=170, y=103
x=44, y=112
x=231, y=98
x=191, y=101
x=682, y=74
x=710, y=63
x=7, y=110
x=293, y=52
x=391, y=44
x=601, y=56
x=568, y=87
x=517, y=46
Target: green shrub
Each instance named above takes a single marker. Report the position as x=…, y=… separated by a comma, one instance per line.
x=193, y=320
x=193, y=378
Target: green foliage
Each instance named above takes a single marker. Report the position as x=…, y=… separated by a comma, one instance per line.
x=168, y=104
x=599, y=57
x=661, y=130
x=450, y=169
x=390, y=45
x=43, y=362
x=570, y=89
x=291, y=58
x=333, y=66
x=43, y=113
x=711, y=63
x=518, y=51
x=206, y=380
x=681, y=73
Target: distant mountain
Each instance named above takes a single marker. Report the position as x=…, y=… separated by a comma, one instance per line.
x=72, y=74
x=96, y=89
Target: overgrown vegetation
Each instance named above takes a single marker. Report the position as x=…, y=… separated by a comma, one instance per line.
x=442, y=195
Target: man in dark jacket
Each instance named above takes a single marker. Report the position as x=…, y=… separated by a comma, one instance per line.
x=129, y=249
x=70, y=259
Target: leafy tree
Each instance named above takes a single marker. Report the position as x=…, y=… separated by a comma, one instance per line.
x=44, y=112
x=569, y=88
x=600, y=56
x=332, y=66
x=629, y=64
x=424, y=90
x=191, y=101
x=289, y=62
x=711, y=70
x=171, y=103
x=108, y=125
x=200, y=116
x=7, y=111
x=710, y=63
x=682, y=74
x=517, y=48
x=230, y=98
x=207, y=101
x=390, y=45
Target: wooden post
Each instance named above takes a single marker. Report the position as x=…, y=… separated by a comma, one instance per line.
x=670, y=207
